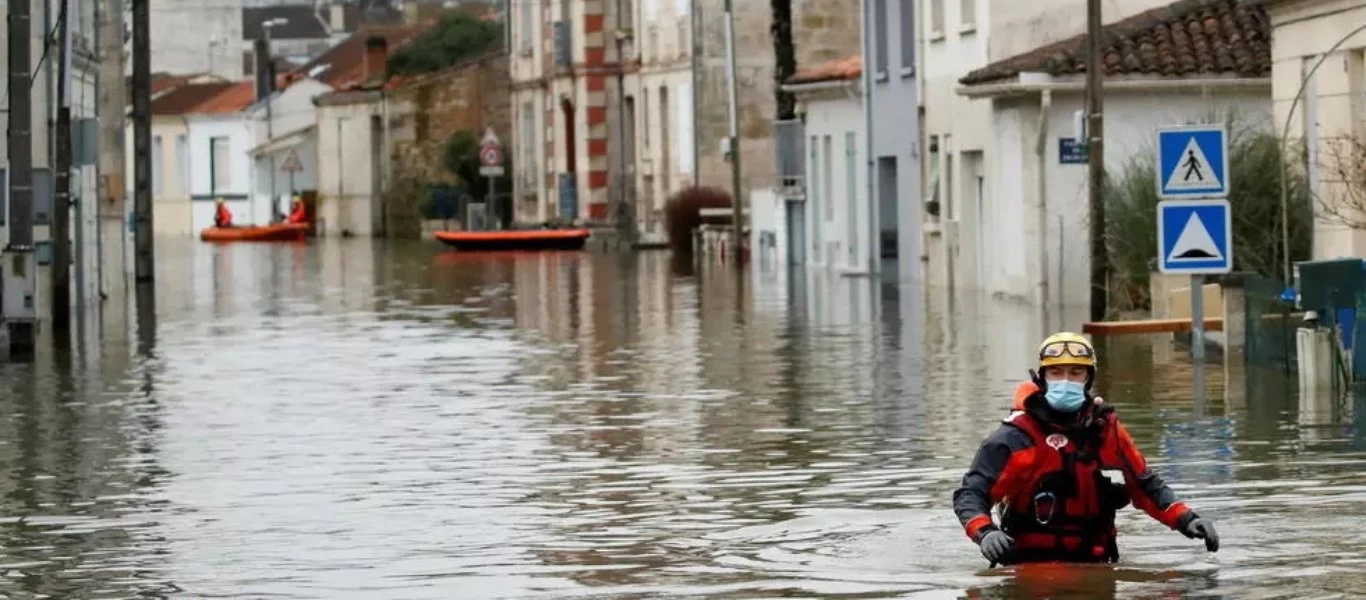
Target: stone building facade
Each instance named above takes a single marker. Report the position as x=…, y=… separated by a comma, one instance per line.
x=572, y=64
x=409, y=122
x=821, y=31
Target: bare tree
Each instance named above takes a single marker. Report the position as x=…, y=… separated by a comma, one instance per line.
x=1340, y=196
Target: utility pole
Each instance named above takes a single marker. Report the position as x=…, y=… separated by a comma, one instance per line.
x=19, y=265
x=142, y=142
x=61, y=209
x=737, y=213
x=1095, y=162
x=113, y=101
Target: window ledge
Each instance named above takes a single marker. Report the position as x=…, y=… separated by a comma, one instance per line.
x=936, y=36
x=968, y=28
x=908, y=72
x=881, y=76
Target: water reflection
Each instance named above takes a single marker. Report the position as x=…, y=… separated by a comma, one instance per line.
x=355, y=419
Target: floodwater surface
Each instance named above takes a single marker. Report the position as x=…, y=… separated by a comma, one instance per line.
x=356, y=419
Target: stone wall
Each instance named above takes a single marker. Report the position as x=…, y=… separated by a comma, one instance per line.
x=822, y=30
x=424, y=112
x=427, y=110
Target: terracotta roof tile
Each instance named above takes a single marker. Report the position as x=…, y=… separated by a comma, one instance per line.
x=844, y=69
x=235, y=97
x=345, y=62
x=1189, y=38
x=186, y=98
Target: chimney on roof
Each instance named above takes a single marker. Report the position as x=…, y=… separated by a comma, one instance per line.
x=376, y=54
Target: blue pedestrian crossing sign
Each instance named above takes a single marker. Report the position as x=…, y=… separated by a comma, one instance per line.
x=1194, y=237
x=1192, y=162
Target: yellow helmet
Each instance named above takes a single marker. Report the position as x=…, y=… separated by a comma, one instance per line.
x=1067, y=348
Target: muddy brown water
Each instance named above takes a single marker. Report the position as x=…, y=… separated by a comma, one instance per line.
x=356, y=419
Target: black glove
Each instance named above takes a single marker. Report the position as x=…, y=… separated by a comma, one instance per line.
x=995, y=545
x=1196, y=526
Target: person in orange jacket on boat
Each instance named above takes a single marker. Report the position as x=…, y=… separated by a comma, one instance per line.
x=222, y=217
x=297, y=214
x=1045, y=463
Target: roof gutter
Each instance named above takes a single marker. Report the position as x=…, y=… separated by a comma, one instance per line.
x=1034, y=83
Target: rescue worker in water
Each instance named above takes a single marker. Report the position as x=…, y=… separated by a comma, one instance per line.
x=1044, y=465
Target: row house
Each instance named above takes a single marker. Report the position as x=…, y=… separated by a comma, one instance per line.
x=570, y=63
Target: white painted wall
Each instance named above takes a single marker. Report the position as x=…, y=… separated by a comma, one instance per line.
x=527, y=148
x=181, y=32
x=290, y=110
x=286, y=184
x=1333, y=99
x=1132, y=118
x=171, y=200
x=345, y=177
x=1018, y=27
x=237, y=128
x=768, y=233
x=954, y=44
x=652, y=117
x=838, y=210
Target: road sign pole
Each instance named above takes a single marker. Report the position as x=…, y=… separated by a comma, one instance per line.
x=1198, y=319
x=490, y=211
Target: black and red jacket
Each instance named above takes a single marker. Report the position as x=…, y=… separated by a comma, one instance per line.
x=1058, y=506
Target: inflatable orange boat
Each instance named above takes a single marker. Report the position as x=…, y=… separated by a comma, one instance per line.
x=280, y=232
x=517, y=239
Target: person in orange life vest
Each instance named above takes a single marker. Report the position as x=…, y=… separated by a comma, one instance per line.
x=298, y=214
x=222, y=217
x=1045, y=463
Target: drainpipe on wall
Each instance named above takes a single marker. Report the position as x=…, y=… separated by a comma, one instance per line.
x=873, y=203
x=1041, y=154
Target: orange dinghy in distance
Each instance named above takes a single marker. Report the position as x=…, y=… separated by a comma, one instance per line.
x=280, y=232
x=523, y=239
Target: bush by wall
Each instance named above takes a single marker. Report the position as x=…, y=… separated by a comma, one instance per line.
x=1254, y=161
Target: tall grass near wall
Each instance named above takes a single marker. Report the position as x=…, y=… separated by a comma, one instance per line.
x=1254, y=162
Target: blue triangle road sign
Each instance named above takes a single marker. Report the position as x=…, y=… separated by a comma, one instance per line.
x=1192, y=162
x=1194, y=237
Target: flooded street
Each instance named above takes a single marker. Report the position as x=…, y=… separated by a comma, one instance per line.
x=350, y=419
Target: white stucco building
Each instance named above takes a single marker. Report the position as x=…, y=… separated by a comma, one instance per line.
x=959, y=36
x=285, y=144
x=220, y=167
x=661, y=112
x=1030, y=235
x=350, y=143
x=1331, y=107
x=834, y=226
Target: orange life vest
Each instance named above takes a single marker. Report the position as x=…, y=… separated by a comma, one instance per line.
x=299, y=215
x=223, y=218
x=1066, y=508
